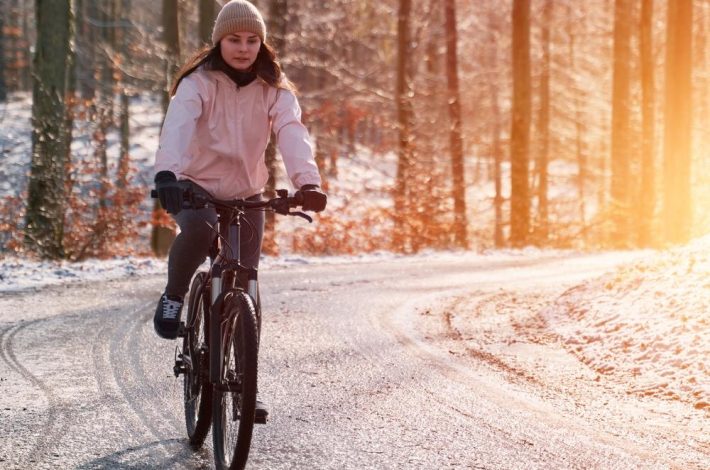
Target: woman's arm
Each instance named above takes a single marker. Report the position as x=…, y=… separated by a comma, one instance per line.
x=293, y=140
x=179, y=127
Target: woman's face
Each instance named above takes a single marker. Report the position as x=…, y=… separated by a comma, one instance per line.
x=239, y=50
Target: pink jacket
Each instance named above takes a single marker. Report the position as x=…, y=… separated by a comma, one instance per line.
x=215, y=134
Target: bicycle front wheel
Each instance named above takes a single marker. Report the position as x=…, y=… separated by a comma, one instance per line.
x=197, y=390
x=234, y=399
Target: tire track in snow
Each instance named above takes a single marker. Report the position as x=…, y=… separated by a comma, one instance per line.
x=50, y=435
x=154, y=413
x=108, y=386
x=123, y=377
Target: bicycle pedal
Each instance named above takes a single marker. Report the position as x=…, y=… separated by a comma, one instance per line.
x=181, y=330
x=260, y=419
x=179, y=368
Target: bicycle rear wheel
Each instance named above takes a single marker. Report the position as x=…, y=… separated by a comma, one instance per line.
x=234, y=400
x=197, y=391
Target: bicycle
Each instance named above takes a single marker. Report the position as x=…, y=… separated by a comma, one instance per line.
x=220, y=382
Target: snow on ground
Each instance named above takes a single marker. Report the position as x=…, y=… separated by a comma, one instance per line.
x=17, y=274
x=646, y=326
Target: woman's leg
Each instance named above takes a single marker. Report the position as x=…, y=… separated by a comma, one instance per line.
x=190, y=247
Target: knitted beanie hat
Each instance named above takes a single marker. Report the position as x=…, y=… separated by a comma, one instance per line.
x=236, y=16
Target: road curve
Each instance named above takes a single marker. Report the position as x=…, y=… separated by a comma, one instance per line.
x=349, y=366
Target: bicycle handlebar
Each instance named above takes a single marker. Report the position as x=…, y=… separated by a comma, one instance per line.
x=281, y=204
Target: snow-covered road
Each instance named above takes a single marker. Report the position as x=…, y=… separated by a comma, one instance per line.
x=424, y=362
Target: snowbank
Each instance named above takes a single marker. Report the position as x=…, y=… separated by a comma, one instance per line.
x=18, y=274
x=647, y=325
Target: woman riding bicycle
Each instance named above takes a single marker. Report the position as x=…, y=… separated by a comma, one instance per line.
x=225, y=103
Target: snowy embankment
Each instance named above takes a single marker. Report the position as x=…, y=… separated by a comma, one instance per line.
x=17, y=274
x=646, y=326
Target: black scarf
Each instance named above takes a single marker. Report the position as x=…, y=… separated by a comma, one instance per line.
x=240, y=77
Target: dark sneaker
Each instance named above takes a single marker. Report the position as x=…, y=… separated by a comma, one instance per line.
x=262, y=412
x=167, y=316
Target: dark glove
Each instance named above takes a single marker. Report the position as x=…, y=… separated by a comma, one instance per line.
x=314, y=199
x=169, y=191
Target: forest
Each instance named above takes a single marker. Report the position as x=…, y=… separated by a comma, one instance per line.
x=473, y=124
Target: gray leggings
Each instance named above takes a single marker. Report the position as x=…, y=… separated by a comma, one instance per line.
x=192, y=244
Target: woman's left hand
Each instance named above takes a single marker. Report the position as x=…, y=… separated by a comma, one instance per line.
x=314, y=199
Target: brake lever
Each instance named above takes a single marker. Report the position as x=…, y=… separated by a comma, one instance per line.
x=301, y=214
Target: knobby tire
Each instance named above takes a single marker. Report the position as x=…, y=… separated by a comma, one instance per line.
x=233, y=412
x=197, y=390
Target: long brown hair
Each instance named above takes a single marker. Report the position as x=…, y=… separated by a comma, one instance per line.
x=266, y=66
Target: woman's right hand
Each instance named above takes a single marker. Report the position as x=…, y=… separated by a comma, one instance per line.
x=169, y=191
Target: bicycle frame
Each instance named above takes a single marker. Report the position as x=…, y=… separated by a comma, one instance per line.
x=227, y=260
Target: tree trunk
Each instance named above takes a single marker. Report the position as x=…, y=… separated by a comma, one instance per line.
x=404, y=124
x=520, y=132
x=162, y=237
x=544, y=127
x=105, y=115
x=499, y=200
x=497, y=151
x=678, y=131
x=456, y=137
x=124, y=7
x=621, y=124
x=26, y=69
x=3, y=65
x=171, y=37
x=206, y=21
x=648, y=196
x=278, y=16
x=578, y=99
x=87, y=39
x=50, y=136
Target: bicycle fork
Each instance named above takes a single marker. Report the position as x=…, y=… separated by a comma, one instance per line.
x=215, y=342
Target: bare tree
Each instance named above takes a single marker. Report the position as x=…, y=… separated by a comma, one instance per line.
x=278, y=27
x=544, y=127
x=404, y=122
x=520, y=131
x=50, y=134
x=162, y=237
x=3, y=65
x=677, y=212
x=123, y=7
x=648, y=196
x=206, y=20
x=171, y=37
x=498, y=201
x=456, y=136
x=620, y=123
x=577, y=94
